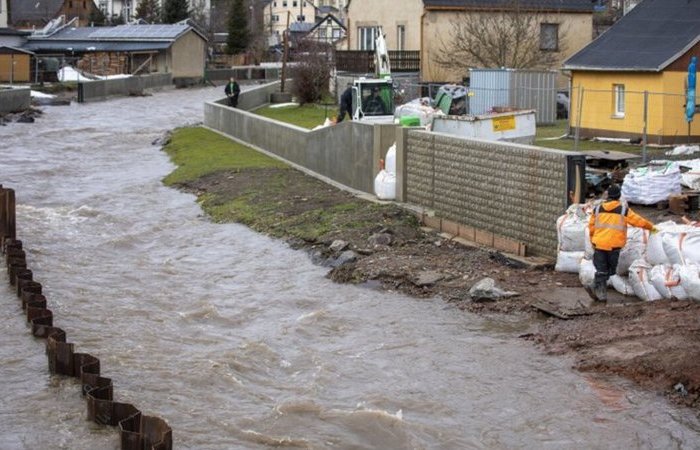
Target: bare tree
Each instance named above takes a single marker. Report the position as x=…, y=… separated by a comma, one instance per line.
x=513, y=36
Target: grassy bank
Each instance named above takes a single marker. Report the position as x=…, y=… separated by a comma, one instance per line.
x=306, y=116
x=235, y=183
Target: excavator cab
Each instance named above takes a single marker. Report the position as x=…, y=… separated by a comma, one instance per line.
x=373, y=100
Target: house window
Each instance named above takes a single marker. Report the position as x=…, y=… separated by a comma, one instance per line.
x=275, y=18
x=284, y=4
x=366, y=37
x=400, y=37
x=294, y=4
x=549, y=37
x=619, y=100
x=336, y=34
x=70, y=4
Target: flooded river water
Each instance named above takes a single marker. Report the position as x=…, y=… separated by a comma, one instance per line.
x=237, y=341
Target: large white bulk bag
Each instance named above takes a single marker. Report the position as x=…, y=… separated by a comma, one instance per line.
x=390, y=165
x=586, y=272
x=667, y=281
x=571, y=228
x=621, y=285
x=655, y=254
x=634, y=249
x=653, y=183
x=682, y=244
x=639, y=279
x=691, y=178
x=568, y=261
x=385, y=185
x=690, y=280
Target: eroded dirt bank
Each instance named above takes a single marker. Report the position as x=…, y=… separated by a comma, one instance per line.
x=657, y=344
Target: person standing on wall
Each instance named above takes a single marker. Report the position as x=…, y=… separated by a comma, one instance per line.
x=608, y=231
x=232, y=91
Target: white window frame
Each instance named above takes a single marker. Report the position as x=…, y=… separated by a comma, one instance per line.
x=400, y=37
x=618, y=100
x=366, y=37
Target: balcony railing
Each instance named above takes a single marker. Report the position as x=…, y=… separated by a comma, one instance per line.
x=362, y=61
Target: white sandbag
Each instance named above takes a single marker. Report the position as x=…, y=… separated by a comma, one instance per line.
x=390, y=160
x=690, y=280
x=684, y=150
x=691, y=178
x=682, y=244
x=568, y=261
x=385, y=185
x=639, y=279
x=653, y=183
x=621, y=285
x=572, y=227
x=655, y=254
x=633, y=250
x=667, y=281
x=586, y=272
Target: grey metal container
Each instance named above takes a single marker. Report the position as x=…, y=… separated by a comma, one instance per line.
x=514, y=88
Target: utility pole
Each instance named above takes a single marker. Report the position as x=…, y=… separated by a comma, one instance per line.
x=285, y=39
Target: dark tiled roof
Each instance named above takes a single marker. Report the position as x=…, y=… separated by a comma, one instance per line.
x=34, y=10
x=648, y=38
x=548, y=5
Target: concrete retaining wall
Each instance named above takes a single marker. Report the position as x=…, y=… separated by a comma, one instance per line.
x=244, y=73
x=14, y=100
x=511, y=190
x=347, y=153
x=102, y=89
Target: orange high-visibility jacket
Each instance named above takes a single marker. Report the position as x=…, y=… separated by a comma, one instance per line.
x=608, y=225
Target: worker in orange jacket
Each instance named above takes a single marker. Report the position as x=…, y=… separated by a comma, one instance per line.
x=608, y=230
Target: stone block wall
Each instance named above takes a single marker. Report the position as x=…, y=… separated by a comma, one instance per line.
x=511, y=190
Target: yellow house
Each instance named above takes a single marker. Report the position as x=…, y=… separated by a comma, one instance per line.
x=536, y=34
x=15, y=65
x=631, y=81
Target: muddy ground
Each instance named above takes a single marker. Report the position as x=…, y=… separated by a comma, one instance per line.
x=655, y=344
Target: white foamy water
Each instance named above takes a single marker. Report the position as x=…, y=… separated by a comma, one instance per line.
x=237, y=341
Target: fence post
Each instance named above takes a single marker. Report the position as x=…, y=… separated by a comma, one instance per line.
x=7, y=214
x=646, y=122
x=3, y=208
x=578, y=117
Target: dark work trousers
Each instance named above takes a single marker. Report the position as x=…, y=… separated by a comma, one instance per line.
x=233, y=101
x=605, y=262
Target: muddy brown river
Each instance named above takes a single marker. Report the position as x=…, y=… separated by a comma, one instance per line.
x=239, y=342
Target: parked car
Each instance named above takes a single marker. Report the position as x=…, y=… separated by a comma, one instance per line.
x=562, y=105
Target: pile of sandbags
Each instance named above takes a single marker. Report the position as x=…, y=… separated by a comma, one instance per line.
x=664, y=265
x=572, y=228
x=652, y=183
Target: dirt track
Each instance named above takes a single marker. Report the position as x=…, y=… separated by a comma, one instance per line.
x=654, y=344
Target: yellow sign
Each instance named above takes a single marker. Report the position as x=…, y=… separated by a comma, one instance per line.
x=503, y=123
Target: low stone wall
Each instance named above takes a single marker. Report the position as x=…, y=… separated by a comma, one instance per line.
x=102, y=89
x=14, y=100
x=347, y=153
x=494, y=189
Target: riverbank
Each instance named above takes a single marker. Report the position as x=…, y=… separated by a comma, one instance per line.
x=382, y=245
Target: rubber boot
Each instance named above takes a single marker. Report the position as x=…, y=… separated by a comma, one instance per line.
x=601, y=291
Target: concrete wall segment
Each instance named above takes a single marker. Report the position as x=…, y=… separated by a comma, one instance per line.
x=14, y=100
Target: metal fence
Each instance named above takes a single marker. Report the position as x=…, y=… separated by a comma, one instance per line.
x=645, y=117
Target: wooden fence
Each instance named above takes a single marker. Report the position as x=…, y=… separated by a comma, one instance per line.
x=362, y=61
